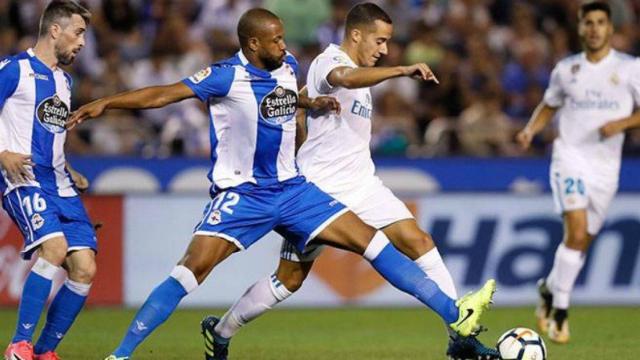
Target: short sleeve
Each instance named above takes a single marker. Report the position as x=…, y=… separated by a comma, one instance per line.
x=554, y=95
x=634, y=83
x=9, y=78
x=212, y=81
x=291, y=60
x=325, y=64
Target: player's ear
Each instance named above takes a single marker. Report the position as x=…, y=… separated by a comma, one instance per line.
x=356, y=35
x=55, y=30
x=254, y=44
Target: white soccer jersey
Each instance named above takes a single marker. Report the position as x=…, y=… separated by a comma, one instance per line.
x=336, y=154
x=252, y=126
x=589, y=95
x=34, y=106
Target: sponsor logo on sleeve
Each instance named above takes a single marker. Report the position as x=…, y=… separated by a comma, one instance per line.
x=340, y=60
x=200, y=75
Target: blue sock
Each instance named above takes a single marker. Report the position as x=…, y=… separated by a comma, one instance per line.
x=405, y=275
x=34, y=296
x=62, y=313
x=159, y=306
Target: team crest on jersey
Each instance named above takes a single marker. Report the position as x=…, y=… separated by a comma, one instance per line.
x=53, y=114
x=575, y=68
x=37, y=221
x=215, y=218
x=615, y=80
x=200, y=75
x=279, y=106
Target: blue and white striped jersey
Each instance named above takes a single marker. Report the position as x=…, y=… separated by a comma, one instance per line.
x=35, y=102
x=252, y=120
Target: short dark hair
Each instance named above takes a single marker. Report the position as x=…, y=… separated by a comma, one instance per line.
x=251, y=21
x=594, y=6
x=365, y=14
x=61, y=9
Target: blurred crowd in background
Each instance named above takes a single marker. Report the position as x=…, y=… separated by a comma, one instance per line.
x=493, y=59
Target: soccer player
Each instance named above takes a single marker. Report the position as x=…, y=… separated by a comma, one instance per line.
x=336, y=157
x=256, y=188
x=37, y=186
x=587, y=92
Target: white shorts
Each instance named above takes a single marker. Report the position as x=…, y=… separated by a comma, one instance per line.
x=575, y=188
x=374, y=203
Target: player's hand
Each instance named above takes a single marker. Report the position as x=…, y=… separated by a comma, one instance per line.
x=324, y=104
x=524, y=138
x=420, y=71
x=17, y=166
x=88, y=111
x=79, y=180
x=610, y=129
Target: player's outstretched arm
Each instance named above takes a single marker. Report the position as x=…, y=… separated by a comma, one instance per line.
x=541, y=116
x=145, y=98
x=320, y=104
x=618, y=126
x=354, y=78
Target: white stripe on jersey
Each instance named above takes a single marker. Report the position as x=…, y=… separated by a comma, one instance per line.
x=19, y=110
x=286, y=163
x=240, y=137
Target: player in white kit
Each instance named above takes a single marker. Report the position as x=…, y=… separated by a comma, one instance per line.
x=336, y=157
x=593, y=95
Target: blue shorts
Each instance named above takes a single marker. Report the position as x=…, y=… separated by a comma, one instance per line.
x=295, y=208
x=41, y=216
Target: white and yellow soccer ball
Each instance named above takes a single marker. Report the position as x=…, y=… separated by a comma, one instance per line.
x=522, y=344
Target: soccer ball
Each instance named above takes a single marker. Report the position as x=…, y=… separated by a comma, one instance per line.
x=521, y=344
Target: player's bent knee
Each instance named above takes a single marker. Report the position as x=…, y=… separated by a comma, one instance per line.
x=84, y=273
x=292, y=280
x=421, y=243
x=204, y=253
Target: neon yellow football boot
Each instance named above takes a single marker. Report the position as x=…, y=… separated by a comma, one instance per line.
x=471, y=307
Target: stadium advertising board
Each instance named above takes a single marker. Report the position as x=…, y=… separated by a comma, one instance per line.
x=507, y=237
x=107, y=289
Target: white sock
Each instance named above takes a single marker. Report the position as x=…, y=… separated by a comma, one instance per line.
x=185, y=277
x=566, y=267
x=257, y=300
x=44, y=268
x=431, y=263
x=77, y=287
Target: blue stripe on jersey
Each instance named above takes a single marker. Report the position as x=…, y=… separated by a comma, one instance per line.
x=268, y=139
x=9, y=78
x=42, y=139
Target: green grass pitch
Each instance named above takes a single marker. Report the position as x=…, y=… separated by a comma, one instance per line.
x=598, y=333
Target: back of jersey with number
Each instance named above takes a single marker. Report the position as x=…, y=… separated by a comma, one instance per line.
x=35, y=103
x=588, y=96
x=336, y=154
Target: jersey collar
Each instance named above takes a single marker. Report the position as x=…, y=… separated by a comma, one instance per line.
x=33, y=56
x=252, y=69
